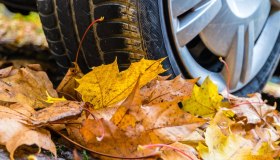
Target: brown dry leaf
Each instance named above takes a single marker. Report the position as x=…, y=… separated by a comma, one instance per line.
x=161, y=90
x=5, y=72
x=167, y=114
x=253, y=108
x=115, y=141
x=40, y=137
x=168, y=154
x=57, y=112
x=68, y=84
x=16, y=129
x=25, y=86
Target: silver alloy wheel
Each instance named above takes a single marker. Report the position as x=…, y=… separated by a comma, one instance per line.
x=243, y=32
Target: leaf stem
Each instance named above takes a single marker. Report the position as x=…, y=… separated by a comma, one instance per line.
x=84, y=35
x=99, y=153
x=167, y=146
x=228, y=77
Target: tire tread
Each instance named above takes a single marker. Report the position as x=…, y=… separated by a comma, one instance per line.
x=65, y=22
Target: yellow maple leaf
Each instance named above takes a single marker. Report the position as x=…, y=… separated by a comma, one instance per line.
x=105, y=85
x=205, y=100
x=232, y=147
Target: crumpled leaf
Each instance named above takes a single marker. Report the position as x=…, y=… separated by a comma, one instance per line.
x=25, y=86
x=68, y=84
x=161, y=90
x=105, y=85
x=220, y=147
x=40, y=137
x=204, y=101
x=16, y=130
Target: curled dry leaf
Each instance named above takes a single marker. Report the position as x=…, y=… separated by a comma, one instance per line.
x=58, y=112
x=68, y=84
x=25, y=86
x=16, y=129
x=105, y=85
x=40, y=137
x=205, y=101
x=5, y=72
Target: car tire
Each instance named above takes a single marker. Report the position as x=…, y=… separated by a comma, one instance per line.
x=132, y=29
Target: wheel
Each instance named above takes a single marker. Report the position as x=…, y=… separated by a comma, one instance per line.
x=193, y=34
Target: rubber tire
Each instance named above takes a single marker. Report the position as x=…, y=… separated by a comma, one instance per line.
x=132, y=29
x=20, y=6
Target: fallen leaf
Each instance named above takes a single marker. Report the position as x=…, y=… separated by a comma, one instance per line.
x=68, y=84
x=168, y=153
x=115, y=141
x=204, y=101
x=105, y=85
x=26, y=86
x=165, y=114
x=40, y=137
x=16, y=129
x=54, y=99
x=57, y=112
x=253, y=108
x=135, y=124
x=174, y=90
x=230, y=147
x=5, y=72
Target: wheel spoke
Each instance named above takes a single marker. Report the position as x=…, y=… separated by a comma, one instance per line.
x=235, y=57
x=248, y=55
x=194, y=22
x=181, y=6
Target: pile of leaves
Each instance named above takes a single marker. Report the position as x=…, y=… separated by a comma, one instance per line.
x=135, y=114
x=19, y=31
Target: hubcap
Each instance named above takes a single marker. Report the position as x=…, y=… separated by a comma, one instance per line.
x=243, y=32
